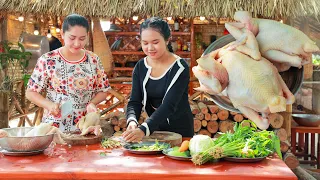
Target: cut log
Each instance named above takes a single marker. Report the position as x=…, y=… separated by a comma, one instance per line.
x=281, y=133
x=238, y=117
x=114, y=120
x=110, y=115
x=226, y=125
x=207, y=116
x=276, y=120
x=204, y=123
x=122, y=121
x=245, y=124
x=213, y=108
x=233, y=113
x=203, y=108
x=205, y=132
x=194, y=109
x=313, y=173
x=212, y=126
x=199, y=116
x=302, y=174
x=116, y=128
x=194, y=95
x=284, y=146
x=223, y=114
x=197, y=125
x=291, y=160
x=214, y=117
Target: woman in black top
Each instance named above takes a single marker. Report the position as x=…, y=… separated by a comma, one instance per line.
x=159, y=87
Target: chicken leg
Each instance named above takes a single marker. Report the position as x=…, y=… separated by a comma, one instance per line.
x=57, y=135
x=261, y=122
x=247, y=44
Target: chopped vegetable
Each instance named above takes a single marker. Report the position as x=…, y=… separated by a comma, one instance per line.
x=110, y=143
x=155, y=147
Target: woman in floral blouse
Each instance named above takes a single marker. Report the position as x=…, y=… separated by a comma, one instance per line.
x=69, y=73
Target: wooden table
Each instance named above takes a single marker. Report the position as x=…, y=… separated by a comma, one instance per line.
x=304, y=133
x=80, y=162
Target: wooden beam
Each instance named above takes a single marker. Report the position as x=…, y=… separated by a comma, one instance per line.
x=4, y=110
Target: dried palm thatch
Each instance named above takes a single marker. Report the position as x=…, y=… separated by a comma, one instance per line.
x=186, y=8
x=101, y=46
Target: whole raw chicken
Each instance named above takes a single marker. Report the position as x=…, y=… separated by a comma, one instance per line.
x=40, y=130
x=253, y=86
x=282, y=44
x=45, y=129
x=3, y=133
x=90, y=123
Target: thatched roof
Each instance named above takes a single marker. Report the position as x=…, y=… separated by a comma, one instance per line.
x=165, y=8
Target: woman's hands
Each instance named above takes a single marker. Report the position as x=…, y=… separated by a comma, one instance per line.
x=54, y=109
x=133, y=133
x=132, y=125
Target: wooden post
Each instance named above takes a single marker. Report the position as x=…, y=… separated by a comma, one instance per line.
x=316, y=92
x=193, y=58
x=287, y=118
x=4, y=110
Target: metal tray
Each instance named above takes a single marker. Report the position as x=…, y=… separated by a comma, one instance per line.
x=292, y=77
x=16, y=153
x=244, y=160
x=180, y=158
x=130, y=147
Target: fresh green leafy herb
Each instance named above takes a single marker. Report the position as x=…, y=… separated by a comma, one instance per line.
x=245, y=142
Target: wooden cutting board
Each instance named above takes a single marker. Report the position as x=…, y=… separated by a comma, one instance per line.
x=74, y=139
x=172, y=138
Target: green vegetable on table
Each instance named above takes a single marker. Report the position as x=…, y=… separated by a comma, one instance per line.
x=175, y=152
x=110, y=143
x=316, y=60
x=245, y=142
x=155, y=147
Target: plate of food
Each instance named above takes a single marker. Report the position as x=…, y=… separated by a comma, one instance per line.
x=146, y=147
x=174, y=153
x=244, y=160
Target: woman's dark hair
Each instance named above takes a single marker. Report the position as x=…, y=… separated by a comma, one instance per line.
x=75, y=20
x=159, y=25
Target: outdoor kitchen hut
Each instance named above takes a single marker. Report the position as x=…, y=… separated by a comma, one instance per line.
x=201, y=23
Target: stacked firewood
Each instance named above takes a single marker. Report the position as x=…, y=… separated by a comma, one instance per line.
x=118, y=120
x=210, y=119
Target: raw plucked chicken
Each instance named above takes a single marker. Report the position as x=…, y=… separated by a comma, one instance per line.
x=3, y=133
x=282, y=44
x=45, y=129
x=29, y=142
x=90, y=123
x=254, y=85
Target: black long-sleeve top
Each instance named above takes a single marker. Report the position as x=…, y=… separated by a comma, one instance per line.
x=174, y=114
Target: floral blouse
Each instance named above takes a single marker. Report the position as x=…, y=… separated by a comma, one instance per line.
x=74, y=81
